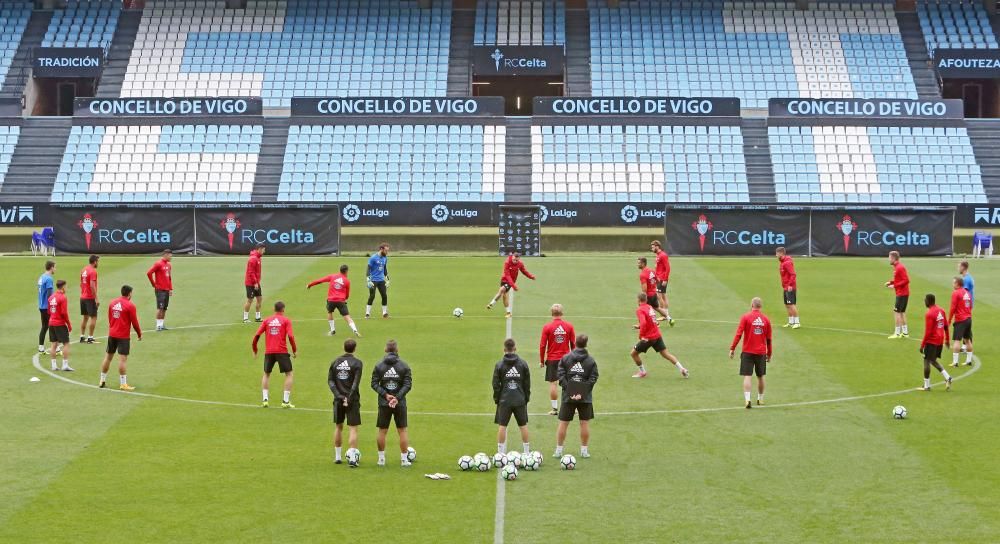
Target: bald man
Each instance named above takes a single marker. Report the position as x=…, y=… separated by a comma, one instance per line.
x=755, y=328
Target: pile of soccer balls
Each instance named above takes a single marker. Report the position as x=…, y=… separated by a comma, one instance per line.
x=511, y=463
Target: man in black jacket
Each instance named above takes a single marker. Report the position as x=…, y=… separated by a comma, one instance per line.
x=511, y=393
x=344, y=379
x=577, y=376
x=392, y=380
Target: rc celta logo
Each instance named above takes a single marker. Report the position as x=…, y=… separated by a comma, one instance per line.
x=230, y=224
x=120, y=235
x=88, y=225
x=702, y=226
x=846, y=227
x=497, y=56
x=514, y=63
x=849, y=228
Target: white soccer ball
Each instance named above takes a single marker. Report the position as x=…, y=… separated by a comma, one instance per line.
x=509, y=472
x=530, y=462
x=515, y=458
x=499, y=460
x=538, y=458
x=568, y=462
x=465, y=462
x=411, y=454
x=481, y=462
x=457, y=312
x=353, y=457
x=899, y=412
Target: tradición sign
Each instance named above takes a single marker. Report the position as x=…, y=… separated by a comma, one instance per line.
x=67, y=62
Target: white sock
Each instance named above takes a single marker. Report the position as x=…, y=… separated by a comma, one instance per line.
x=368, y=310
x=55, y=366
x=104, y=377
x=402, y=457
x=968, y=356
x=906, y=330
x=159, y=323
x=583, y=450
x=898, y=330
x=927, y=383
x=337, y=452
x=746, y=396
x=354, y=327
x=264, y=395
x=795, y=320
x=246, y=315
x=791, y=320
x=954, y=359
x=381, y=456
x=508, y=309
x=680, y=367
x=760, y=397
x=333, y=326
x=257, y=315
x=945, y=374
x=559, y=450
x=286, y=396
x=555, y=404
x=642, y=368
x=526, y=447
x=385, y=310
x=122, y=380
x=41, y=347
x=502, y=448
x=65, y=362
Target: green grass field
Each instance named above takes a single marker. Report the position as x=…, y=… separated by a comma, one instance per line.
x=673, y=460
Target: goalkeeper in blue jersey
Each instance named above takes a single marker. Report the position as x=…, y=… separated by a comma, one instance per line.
x=378, y=278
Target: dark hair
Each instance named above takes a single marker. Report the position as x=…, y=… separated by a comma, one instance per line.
x=509, y=345
x=168, y=250
x=279, y=306
x=391, y=347
x=958, y=280
x=929, y=299
x=260, y=245
x=49, y=265
x=350, y=345
x=60, y=284
x=581, y=341
x=643, y=261
x=780, y=249
x=343, y=269
x=656, y=243
x=383, y=245
x=126, y=290
x=94, y=259
x=964, y=265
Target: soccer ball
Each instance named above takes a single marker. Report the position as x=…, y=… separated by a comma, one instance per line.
x=499, y=460
x=514, y=458
x=530, y=462
x=465, y=462
x=411, y=454
x=538, y=458
x=899, y=412
x=568, y=462
x=481, y=462
x=509, y=472
x=457, y=312
x=353, y=457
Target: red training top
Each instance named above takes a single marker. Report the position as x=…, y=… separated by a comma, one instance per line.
x=277, y=327
x=511, y=269
x=662, y=266
x=787, y=271
x=648, y=329
x=558, y=338
x=88, y=275
x=647, y=279
x=159, y=276
x=340, y=287
x=961, y=306
x=900, y=280
x=59, y=311
x=123, y=317
x=935, y=328
x=755, y=328
x=252, y=276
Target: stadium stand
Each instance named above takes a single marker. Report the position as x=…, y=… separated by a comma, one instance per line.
x=394, y=162
x=14, y=17
x=638, y=164
x=520, y=22
x=280, y=49
x=878, y=165
x=169, y=163
x=754, y=50
x=961, y=24
x=8, y=141
x=83, y=23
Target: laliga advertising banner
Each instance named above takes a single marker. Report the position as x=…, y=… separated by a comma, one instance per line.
x=876, y=232
x=730, y=230
x=285, y=231
x=123, y=230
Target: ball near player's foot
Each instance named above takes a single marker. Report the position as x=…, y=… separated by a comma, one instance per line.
x=509, y=472
x=411, y=454
x=465, y=462
x=567, y=462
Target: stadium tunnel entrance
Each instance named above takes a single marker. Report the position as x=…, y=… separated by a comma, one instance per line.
x=518, y=91
x=48, y=96
x=981, y=97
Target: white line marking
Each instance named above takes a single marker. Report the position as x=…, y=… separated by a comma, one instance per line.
x=501, y=497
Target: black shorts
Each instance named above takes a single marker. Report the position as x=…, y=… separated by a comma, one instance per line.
x=901, y=302
x=652, y=300
x=962, y=330
x=505, y=286
x=657, y=345
x=584, y=409
x=790, y=297
x=661, y=286
x=120, y=345
x=504, y=412
x=253, y=292
x=751, y=364
x=339, y=306
x=932, y=352
x=551, y=371
x=88, y=307
x=398, y=414
x=162, y=299
x=59, y=333
x=351, y=412
x=284, y=361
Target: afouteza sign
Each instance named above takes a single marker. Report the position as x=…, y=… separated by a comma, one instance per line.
x=67, y=62
x=967, y=63
x=518, y=60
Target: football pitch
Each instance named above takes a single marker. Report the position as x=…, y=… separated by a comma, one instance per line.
x=192, y=457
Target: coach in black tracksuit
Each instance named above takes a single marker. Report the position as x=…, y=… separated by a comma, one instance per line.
x=344, y=380
x=392, y=380
x=577, y=374
x=511, y=393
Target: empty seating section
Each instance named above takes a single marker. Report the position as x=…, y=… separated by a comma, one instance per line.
x=878, y=165
x=520, y=22
x=955, y=24
x=8, y=141
x=14, y=17
x=394, y=162
x=180, y=163
x=83, y=23
x=753, y=50
x=638, y=164
x=280, y=49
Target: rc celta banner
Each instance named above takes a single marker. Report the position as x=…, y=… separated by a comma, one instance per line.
x=123, y=230
x=876, y=232
x=285, y=231
x=736, y=230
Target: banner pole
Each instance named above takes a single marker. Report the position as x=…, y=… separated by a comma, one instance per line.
x=809, y=253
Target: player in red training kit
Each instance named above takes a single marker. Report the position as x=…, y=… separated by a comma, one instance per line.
x=960, y=314
x=122, y=319
x=88, y=300
x=648, y=284
x=650, y=337
x=511, y=267
x=276, y=328
x=336, y=299
x=558, y=338
x=901, y=283
x=59, y=325
x=159, y=278
x=662, y=278
x=789, y=289
x=251, y=280
x=755, y=329
x=935, y=337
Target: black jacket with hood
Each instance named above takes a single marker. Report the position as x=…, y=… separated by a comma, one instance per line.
x=392, y=376
x=511, y=381
x=578, y=366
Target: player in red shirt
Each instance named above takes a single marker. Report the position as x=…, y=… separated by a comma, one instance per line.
x=935, y=337
x=786, y=269
x=755, y=328
x=88, y=300
x=960, y=314
x=159, y=278
x=662, y=278
x=336, y=299
x=901, y=283
x=650, y=337
x=276, y=328
x=251, y=280
x=558, y=338
x=59, y=325
x=648, y=284
x=511, y=267
x=122, y=319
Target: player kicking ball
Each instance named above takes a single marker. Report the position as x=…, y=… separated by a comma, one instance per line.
x=935, y=338
x=344, y=379
x=755, y=328
x=511, y=268
x=276, y=329
x=650, y=337
x=336, y=299
x=392, y=380
x=122, y=319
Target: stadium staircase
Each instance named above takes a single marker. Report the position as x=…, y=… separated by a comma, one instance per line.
x=994, y=23
x=757, y=154
x=35, y=163
x=578, y=52
x=463, y=24
x=20, y=66
x=985, y=137
x=517, y=177
x=119, y=54
x=924, y=77
x=271, y=159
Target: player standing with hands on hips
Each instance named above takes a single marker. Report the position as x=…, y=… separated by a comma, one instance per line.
x=392, y=380
x=344, y=380
x=511, y=394
x=159, y=278
x=276, y=328
x=900, y=282
x=755, y=328
x=577, y=376
x=786, y=268
x=378, y=278
x=251, y=280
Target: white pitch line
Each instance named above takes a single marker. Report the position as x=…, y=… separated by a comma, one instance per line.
x=501, y=496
